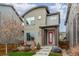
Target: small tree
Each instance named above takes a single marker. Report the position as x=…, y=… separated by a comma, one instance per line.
x=10, y=32
x=38, y=46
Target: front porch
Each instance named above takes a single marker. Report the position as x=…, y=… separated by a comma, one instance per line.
x=49, y=35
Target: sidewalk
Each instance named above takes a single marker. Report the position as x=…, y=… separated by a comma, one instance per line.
x=64, y=52
x=44, y=51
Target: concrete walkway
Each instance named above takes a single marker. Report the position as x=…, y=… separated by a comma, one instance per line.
x=44, y=51
x=64, y=52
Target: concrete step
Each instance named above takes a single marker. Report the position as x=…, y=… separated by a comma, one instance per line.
x=44, y=51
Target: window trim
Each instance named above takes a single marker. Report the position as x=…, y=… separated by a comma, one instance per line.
x=30, y=37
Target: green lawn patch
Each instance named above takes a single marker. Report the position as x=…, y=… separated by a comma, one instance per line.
x=21, y=53
x=55, y=54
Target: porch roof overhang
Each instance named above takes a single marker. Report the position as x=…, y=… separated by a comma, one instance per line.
x=43, y=27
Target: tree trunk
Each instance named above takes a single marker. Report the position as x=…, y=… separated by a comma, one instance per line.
x=6, y=48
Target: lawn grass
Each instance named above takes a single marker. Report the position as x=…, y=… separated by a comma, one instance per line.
x=55, y=54
x=21, y=53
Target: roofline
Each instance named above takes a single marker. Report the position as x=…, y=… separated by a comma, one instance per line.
x=53, y=13
x=1, y=4
x=68, y=11
x=36, y=8
x=56, y=13
x=42, y=27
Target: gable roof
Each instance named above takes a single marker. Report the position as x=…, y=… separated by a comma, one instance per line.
x=36, y=8
x=13, y=10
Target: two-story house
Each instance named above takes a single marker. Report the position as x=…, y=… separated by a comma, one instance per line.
x=41, y=26
x=72, y=22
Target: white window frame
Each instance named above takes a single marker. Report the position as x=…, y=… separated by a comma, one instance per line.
x=31, y=20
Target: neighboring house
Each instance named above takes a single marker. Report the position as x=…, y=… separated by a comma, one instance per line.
x=72, y=24
x=41, y=26
x=8, y=12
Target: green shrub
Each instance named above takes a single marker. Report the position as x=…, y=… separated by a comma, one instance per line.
x=38, y=46
x=55, y=54
x=20, y=53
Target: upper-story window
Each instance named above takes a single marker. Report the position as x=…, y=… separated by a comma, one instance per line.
x=30, y=20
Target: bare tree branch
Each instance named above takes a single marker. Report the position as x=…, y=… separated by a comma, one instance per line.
x=10, y=31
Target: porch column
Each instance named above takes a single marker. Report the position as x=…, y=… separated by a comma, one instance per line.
x=54, y=40
x=57, y=32
x=42, y=36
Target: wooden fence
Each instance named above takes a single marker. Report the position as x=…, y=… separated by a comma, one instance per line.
x=9, y=46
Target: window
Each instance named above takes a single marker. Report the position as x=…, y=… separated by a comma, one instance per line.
x=31, y=36
x=28, y=36
x=30, y=20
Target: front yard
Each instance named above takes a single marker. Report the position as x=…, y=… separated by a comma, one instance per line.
x=21, y=53
x=27, y=50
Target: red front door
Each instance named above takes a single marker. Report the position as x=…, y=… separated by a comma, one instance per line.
x=51, y=38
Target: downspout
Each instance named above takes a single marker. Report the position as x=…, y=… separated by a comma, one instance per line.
x=76, y=31
x=24, y=31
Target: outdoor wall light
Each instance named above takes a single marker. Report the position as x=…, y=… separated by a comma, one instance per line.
x=39, y=17
x=22, y=24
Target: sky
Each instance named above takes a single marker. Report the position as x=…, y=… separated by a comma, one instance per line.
x=21, y=8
